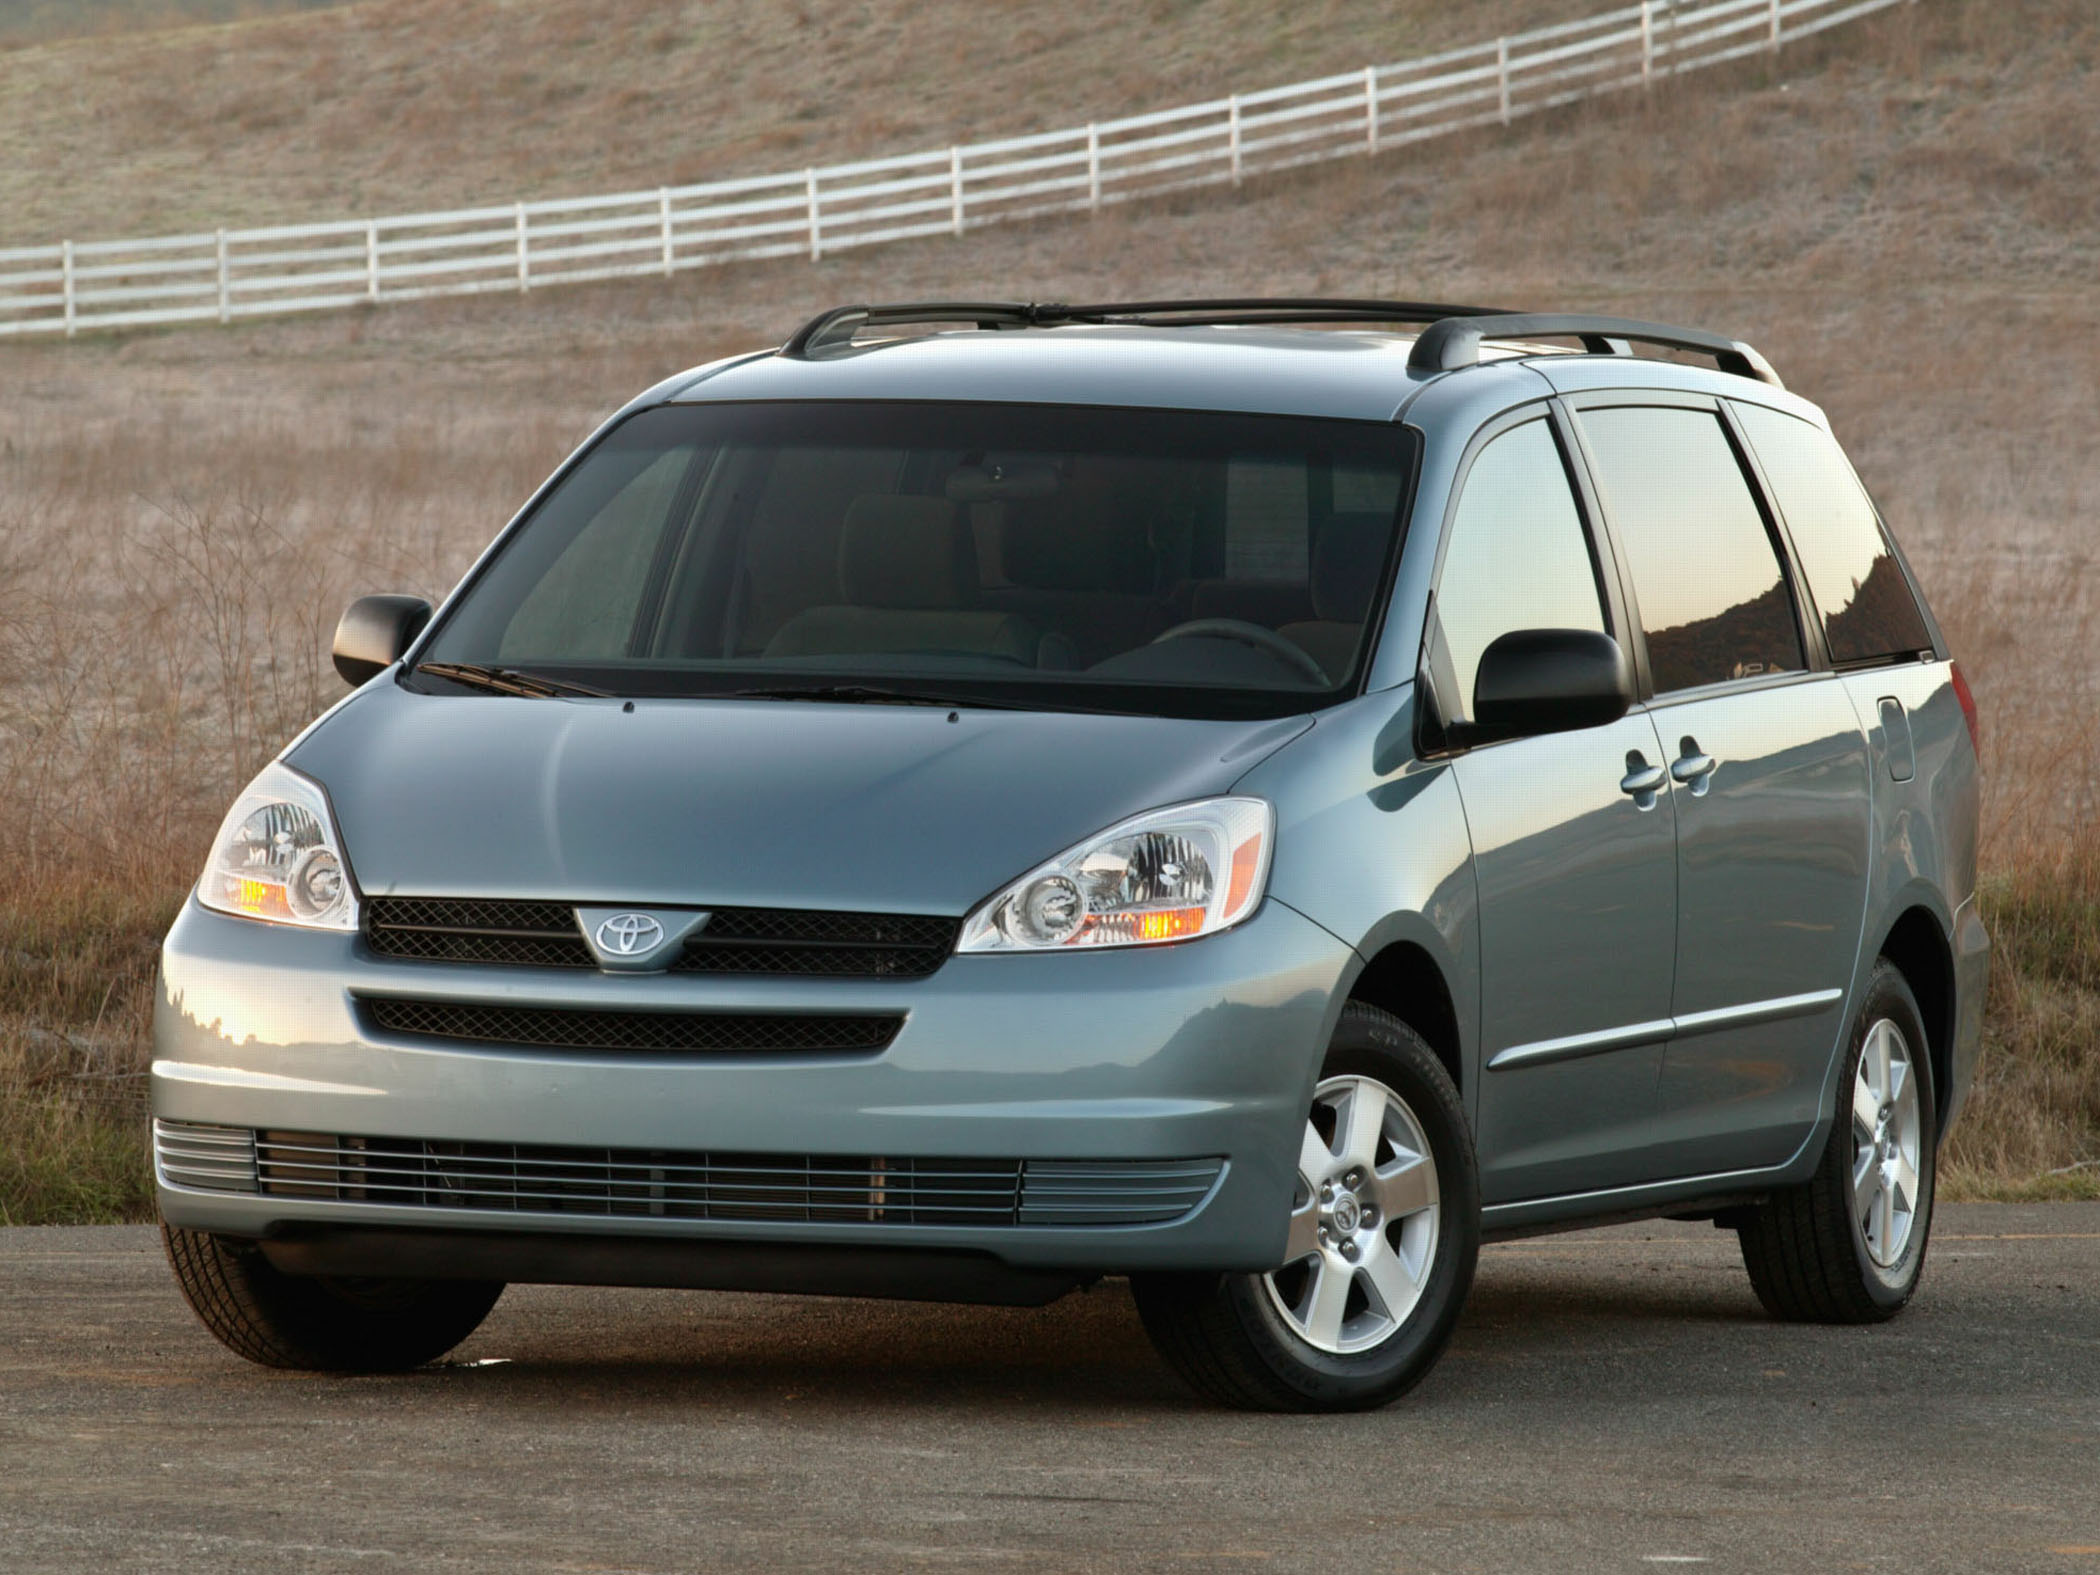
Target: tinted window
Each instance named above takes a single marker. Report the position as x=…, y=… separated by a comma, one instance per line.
x=1868, y=611
x=1518, y=558
x=1006, y=552
x=1713, y=599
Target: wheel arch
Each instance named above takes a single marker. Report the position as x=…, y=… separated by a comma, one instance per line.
x=1917, y=944
x=1405, y=980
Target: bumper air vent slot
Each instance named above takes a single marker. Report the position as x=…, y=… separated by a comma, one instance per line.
x=204, y=1158
x=521, y=1178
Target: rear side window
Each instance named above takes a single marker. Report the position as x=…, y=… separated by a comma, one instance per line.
x=1713, y=596
x=1518, y=559
x=1869, y=613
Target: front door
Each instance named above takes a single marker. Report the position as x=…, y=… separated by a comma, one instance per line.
x=1769, y=772
x=1574, y=851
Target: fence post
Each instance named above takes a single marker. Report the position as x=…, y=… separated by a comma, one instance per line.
x=663, y=213
x=1773, y=43
x=225, y=283
x=1647, y=42
x=1370, y=109
x=65, y=268
x=1502, y=75
x=955, y=187
x=524, y=265
x=372, y=261
x=1232, y=134
x=816, y=233
x=1093, y=168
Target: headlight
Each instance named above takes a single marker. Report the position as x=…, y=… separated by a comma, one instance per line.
x=278, y=857
x=1169, y=875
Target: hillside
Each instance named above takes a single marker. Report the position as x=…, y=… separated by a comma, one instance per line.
x=1905, y=217
x=390, y=106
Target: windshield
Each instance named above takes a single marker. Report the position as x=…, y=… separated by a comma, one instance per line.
x=1172, y=562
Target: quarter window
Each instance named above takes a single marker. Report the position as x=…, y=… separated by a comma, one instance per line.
x=1518, y=559
x=1713, y=598
x=1869, y=613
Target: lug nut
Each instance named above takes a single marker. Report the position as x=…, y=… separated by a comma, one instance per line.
x=1370, y=1217
x=1349, y=1250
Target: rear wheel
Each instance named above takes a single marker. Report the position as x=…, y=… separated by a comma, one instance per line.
x=320, y=1324
x=1849, y=1244
x=1384, y=1233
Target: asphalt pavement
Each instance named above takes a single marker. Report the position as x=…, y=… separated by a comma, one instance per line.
x=1614, y=1400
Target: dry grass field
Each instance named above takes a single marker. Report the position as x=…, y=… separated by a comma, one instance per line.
x=1904, y=215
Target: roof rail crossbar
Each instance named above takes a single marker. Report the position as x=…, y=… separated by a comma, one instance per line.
x=835, y=329
x=1454, y=341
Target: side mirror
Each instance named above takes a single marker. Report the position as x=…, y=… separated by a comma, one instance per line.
x=1548, y=681
x=373, y=633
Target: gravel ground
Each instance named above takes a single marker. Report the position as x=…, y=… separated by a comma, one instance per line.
x=1615, y=1400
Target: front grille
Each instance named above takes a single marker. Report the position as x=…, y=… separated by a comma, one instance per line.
x=791, y=940
x=691, y=1033
x=452, y=929
x=734, y=940
x=672, y=1184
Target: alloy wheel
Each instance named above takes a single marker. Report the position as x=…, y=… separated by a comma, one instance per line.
x=1364, y=1223
x=1885, y=1137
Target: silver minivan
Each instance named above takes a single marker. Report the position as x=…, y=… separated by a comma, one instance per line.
x=1254, y=796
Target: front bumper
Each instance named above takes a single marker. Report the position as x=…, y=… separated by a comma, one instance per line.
x=1207, y=1050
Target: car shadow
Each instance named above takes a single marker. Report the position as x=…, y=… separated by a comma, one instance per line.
x=626, y=1351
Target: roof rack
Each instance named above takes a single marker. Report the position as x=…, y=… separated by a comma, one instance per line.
x=1454, y=341
x=1450, y=340
x=835, y=329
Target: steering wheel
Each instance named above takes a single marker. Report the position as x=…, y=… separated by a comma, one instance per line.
x=1249, y=634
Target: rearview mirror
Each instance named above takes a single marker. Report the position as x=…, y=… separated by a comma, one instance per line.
x=373, y=633
x=1548, y=681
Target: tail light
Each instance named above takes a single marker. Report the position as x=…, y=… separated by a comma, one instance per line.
x=1968, y=708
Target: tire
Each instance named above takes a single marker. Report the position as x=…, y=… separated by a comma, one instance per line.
x=1821, y=1252
x=1291, y=1341
x=320, y=1325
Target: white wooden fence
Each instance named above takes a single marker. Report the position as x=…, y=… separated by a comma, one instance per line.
x=525, y=245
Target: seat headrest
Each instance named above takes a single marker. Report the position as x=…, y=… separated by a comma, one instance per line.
x=1347, y=560
x=906, y=552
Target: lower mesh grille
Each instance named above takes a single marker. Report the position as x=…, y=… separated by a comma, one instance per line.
x=673, y=1184
x=691, y=1033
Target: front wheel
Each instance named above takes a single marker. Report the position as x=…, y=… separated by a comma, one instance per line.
x=317, y=1324
x=1384, y=1234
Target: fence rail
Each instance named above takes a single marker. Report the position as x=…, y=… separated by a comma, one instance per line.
x=229, y=274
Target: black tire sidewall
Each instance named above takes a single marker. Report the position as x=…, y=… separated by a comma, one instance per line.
x=1888, y=996
x=1371, y=1044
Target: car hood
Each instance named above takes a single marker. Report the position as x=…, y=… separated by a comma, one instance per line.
x=883, y=808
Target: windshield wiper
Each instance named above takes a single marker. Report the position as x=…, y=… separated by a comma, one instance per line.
x=510, y=681
x=878, y=694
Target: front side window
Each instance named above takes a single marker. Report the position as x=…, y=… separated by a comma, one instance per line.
x=1518, y=559
x=1869, y=613
x=1713, y=598
x=1170, y=561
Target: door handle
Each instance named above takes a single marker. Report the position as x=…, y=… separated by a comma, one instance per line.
x=1642, y=781
x=1694, y=768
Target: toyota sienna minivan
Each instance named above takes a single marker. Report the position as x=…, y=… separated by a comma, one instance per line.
x=1257, y=797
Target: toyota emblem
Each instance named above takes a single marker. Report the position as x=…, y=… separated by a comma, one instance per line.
x=630, y=934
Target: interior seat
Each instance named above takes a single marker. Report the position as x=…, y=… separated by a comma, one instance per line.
x=1084, y=572
x=1348, y=564
x=907, y=575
